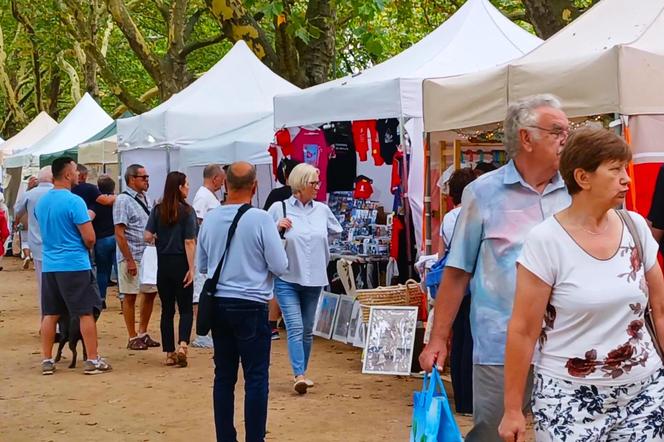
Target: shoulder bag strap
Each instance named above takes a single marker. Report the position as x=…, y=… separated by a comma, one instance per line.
x=140, y=203
x=631, y=227
x=231, y=232
x=282, y=232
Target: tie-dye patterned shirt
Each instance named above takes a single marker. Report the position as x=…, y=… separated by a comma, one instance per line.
x=499, y=209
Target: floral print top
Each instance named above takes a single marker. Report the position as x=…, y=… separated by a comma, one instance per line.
x=593, y=330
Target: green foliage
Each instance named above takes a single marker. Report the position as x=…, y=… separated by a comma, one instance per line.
x=367, y=32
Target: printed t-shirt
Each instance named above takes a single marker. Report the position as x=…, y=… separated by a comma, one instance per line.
x=365, y=137
x=89, y=192
x=309, y=146
x=342, y=168
x=389, y=138
x=59, y=213
x=363, y=188
x=594, y=330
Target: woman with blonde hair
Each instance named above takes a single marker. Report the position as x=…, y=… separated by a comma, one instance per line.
x=305, y=224
x=586, y=279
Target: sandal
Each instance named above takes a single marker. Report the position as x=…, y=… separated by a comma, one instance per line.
x=181, y=355
x=136, y=344
x=171, y=359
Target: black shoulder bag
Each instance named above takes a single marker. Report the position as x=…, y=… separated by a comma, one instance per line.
x=647, y=315
x=205, y=305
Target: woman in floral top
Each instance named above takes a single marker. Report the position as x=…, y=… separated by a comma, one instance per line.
x=597, y=374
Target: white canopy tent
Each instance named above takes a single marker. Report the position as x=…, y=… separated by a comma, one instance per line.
x=83, y=121
x=37, y=129
x=476, y=37
x=232, y=101
x=611, y=59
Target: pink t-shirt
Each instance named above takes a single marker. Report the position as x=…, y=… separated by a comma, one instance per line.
x=309, y=146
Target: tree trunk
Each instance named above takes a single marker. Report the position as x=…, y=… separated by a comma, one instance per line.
x=53, y=93
x=316, y=57
x=549, y=16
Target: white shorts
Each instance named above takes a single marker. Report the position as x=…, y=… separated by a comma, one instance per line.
x=130, y=285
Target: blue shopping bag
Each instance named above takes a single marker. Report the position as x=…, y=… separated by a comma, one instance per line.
x=432, y=417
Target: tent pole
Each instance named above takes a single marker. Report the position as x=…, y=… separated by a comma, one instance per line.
x=427, y=193
x=406, y=202
x=168, y=159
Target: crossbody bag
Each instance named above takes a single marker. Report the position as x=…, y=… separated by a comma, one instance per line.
x=205, y=305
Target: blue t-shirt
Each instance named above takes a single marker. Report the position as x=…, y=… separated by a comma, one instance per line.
x=59, y=213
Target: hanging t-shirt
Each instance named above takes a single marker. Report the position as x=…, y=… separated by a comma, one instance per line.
x=594, y=330
x=342, y=168
x=389, y=138
x=365, y=137
x=309, y=146
x=363, y=188
x=272, y=150
x=283, y=139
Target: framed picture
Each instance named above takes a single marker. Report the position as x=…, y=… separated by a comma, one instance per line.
x=390, y=340
x=342, y=321
x=360, y=334
x=325, y=313
x=355, y=318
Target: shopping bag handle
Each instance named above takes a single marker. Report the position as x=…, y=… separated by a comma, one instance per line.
x=434, y=380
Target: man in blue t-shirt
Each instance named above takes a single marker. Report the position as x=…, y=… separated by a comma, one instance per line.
x=68, y=283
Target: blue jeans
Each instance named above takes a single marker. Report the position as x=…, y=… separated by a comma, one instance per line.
x=241, y=333
x=298, y=307
x=104, y=259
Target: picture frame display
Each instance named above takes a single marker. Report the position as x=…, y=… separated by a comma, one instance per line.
x=342, y=320
x=355, y=318
x=326, y=311
x=390, y=340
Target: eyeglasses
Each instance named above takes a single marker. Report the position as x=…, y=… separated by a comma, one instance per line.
x=314, y=183
x=143, y=177
x=558, y=132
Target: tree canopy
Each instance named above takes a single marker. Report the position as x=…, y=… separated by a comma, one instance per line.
x=133, y=54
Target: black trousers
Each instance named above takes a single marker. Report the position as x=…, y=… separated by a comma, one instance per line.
x=461, y=359
x=171, y=271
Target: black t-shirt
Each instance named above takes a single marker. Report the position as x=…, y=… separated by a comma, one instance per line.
x=170, y=239
x=89, y=193
x=103, y=222
x=656, y=214
x=388, y=137
x=276, y=195
x=342, y=167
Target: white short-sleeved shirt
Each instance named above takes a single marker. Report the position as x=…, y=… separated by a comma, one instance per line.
x=204, y=201
x=447, y=226
x=307, y=245
x=593, y=331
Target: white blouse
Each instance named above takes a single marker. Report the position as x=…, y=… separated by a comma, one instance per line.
x=593, y=330
x=307, y=245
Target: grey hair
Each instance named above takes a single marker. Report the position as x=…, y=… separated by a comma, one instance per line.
x=212, y=170
x=132, y=171
x=522, y=114
x=45, y=175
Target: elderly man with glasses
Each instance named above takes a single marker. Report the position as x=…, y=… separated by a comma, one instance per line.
x=130, y=216
x=499, y=209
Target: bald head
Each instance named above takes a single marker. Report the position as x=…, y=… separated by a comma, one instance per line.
x=45, y=175
x=241, y=177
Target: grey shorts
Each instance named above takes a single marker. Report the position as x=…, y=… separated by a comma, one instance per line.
x=73, y=292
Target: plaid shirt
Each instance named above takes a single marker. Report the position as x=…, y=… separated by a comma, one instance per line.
x=127, y=211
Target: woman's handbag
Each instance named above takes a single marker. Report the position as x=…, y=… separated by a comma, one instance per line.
x=432, y=416
x=148, y=269
x=205, y=315
x=647, y=315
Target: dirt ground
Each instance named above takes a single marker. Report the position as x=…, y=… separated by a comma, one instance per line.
x=141, y=400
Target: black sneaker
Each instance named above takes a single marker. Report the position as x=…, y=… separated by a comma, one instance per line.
x=275, y=334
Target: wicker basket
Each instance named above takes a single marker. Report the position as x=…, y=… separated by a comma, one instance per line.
x=409, y=294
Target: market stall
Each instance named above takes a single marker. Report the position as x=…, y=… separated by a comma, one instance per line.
x=385, y=101
x=610, y=60
x=235, y=93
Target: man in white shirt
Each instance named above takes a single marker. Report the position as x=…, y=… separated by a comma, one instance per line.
x=204, y=201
